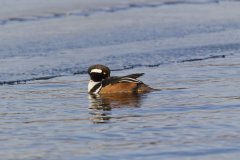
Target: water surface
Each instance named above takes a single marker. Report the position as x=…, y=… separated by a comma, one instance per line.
x=189, y=50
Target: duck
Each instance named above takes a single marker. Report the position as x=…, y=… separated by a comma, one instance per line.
x=102, y=83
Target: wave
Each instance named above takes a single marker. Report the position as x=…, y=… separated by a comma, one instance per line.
x=14, y=82
x=28, y=53
x=117, y=62
x=93, y=11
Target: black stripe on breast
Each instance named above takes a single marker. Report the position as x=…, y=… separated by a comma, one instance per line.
x=96, y=87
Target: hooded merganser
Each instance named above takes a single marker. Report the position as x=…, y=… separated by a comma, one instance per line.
x=101, y=82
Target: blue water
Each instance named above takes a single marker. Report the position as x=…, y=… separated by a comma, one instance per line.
x=67, y=45
x=189, y=50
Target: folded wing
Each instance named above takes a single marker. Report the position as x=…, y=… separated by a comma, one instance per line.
x=131, y=78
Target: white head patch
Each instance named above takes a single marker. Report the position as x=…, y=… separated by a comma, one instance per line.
x=96, y=71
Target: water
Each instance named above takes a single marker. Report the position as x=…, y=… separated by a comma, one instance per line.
x=189, y=50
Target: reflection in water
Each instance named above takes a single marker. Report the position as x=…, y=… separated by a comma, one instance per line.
x=101, y=105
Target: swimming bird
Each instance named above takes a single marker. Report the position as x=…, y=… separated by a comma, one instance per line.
x=102, y=83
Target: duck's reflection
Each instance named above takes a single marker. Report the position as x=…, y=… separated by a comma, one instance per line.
x=101, y=105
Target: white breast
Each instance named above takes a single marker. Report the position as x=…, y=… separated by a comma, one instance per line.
x=91, y=84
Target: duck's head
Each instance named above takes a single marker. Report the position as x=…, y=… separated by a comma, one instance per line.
x=98, y=72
